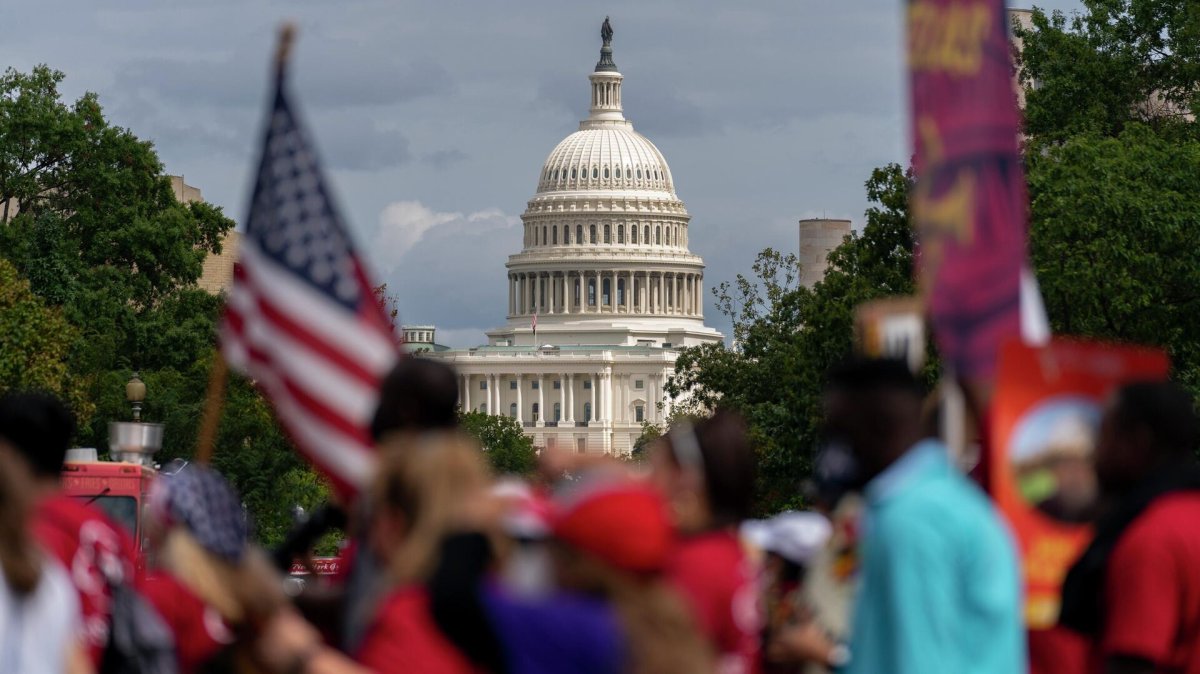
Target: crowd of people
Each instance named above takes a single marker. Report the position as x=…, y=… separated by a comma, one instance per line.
x=602, y=565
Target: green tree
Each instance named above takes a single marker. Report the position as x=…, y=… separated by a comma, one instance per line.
x=1115, y=63
x=504, y=442
x=34, y=342
x=650, y=433
x=88, y=217
x=1111, y=97
x=1115, y=241
x=787, y=336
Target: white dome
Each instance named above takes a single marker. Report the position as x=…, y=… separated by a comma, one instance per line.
x=606, y=157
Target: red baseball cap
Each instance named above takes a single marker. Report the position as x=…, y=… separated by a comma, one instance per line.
x=623, y=523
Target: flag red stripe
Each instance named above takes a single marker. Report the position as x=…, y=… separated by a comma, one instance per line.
x=324, y=413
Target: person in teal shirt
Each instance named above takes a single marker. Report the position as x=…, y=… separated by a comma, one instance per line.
x=940, y=589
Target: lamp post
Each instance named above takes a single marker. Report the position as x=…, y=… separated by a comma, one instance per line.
x=135, y=393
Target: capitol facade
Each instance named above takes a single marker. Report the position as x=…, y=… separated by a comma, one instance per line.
x=602, y=295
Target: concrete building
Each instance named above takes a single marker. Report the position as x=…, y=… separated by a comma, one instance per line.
x=217, y=274
x=818, y=238
x=600, y=297
x=420, y=339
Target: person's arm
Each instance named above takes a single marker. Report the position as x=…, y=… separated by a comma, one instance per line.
x=456, y=600
x=78, y=661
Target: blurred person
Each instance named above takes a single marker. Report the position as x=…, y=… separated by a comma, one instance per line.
x=417, y=395
x=39, y=609
x=96, y=551
x=207, y=583
x=610, y=610
x=791, y=543
x=1135, y=591
x=706, y=470
x=940, y=588
x=421, y=480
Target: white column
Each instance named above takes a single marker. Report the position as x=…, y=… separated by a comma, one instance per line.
x=569, y=412
x=566, y=285
x=608, y=397
x=520, y=401
x=541, y=401
x=466, y=399
x=562, y=397
x=594, y=387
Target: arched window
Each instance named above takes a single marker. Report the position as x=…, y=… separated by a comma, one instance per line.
x=591, y=292
x=512, y=410
x=646, y=237
x=639, y=174
x=557, y=412
x=587, y=411
x=620, y=292
x=577, y=286
x=595, y=173
x=572, y=174
x=633, y=234
x=593, y=232
x=556, y=174
x=606, y=172
x=483, y=408
x=566, y=234
x=543, y=235
x=535, y=411
x=578, y=233
x=607, y=234
x=668, y=236
x=606, y=296
x=554, y=235
x=628, y=173
x=620, y=233
x=658, y=235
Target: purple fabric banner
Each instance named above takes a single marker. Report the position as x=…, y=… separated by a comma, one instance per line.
x=970, y=205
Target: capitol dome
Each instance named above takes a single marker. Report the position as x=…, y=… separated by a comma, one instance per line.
x=607, y=157
x=605, y=256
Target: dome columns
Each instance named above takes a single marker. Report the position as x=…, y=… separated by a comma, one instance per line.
x=606, y=291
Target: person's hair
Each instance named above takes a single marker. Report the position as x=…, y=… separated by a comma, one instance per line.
x=19, y=561
x=861, y=375
x=425, y=478
x=661, y=634
x=1164, y=409
x=729, y=463
x=240, y=593
x=39, y=427
x=417, y=395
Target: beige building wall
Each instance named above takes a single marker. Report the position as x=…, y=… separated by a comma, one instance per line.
x=818, y=238
x=217, y=275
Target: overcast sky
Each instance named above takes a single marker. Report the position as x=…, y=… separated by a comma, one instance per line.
x=433, y=118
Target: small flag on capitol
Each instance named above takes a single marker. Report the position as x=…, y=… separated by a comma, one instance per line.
x=301, y=319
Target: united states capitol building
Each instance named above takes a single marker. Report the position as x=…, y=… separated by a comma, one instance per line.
x=601, y=296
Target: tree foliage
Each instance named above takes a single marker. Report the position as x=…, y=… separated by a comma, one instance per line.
x=508, y=449
x=1113, y=157
x=1116, y=63
x=34, y=342
x=786, y=336
x=98, y=271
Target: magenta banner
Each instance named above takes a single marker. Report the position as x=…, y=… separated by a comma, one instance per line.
x=969, y=204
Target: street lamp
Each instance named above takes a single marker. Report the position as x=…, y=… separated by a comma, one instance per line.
x=135, y=393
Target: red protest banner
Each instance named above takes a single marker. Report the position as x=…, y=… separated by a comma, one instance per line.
x=1046, y=413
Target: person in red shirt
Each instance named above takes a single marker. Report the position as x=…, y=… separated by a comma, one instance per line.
x=1136, y=589
x=92, y=548
x=706, y=471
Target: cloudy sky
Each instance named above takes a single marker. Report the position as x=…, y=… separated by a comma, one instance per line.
x=434, y=118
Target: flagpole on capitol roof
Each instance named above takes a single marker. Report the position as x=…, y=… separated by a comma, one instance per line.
x=218, y=376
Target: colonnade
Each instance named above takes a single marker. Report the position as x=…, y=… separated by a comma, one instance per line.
x=606, y=292
x=581, y=398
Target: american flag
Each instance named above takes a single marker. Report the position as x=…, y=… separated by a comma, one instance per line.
x=301, y=319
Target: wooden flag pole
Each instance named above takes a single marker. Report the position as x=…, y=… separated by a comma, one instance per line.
x=218, y=377
x=214, y=403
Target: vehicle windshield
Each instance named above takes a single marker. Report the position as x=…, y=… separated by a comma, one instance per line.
x=121, y=509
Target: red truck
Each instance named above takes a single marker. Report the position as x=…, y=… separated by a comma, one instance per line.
x=117, y=488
